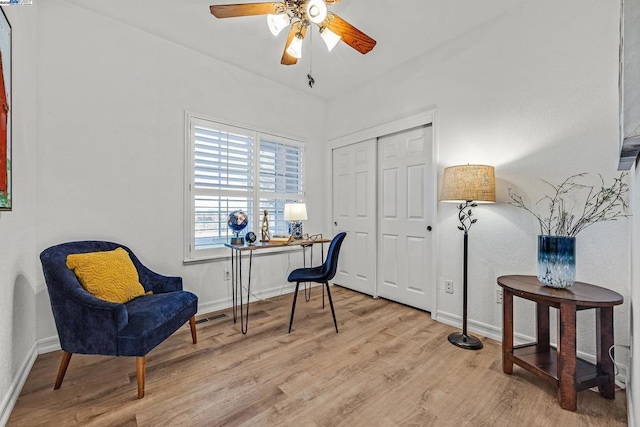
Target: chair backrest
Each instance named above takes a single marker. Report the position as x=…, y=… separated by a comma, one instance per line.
x=331, y=265
x=54, y=262
x=68, y=298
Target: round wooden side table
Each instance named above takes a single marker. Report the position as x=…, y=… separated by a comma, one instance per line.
x=560, y=366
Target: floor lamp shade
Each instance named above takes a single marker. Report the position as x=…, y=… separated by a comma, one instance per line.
x=467, y=185
x=469, y=182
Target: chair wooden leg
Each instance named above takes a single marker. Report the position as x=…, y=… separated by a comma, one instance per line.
x=140, y=374
x=293, y=307
x=333, y=313
x=192, y=324
x=64, y=364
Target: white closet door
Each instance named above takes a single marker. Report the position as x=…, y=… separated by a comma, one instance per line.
x=354, y=211
x=405, y=208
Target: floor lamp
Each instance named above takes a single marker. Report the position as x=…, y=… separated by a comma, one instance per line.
x=467, y=185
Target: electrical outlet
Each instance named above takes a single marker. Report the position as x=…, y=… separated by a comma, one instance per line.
x=227, y=275
x=499, y=296
x=448, y=286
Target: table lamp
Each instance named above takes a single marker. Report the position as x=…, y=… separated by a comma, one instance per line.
x=295, y=213
x=467, y=185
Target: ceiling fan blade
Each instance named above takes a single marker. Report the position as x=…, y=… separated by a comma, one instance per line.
x=350, y=34
x=245, y=9
x=295, y=28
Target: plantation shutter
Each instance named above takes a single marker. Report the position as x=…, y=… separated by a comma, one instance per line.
x=281, y=178
x=233, y=168
x=223, y=160
x=223, y=180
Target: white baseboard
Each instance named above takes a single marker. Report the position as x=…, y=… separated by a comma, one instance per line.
x=211, y=306
x=479, y=328
x=224, y=303
x=16, y=385
x=47, y=345
x=495, y=333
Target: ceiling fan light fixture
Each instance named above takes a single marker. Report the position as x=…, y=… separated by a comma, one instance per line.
x=295, y=47
x=278, y=22
x=330, y=38
x=299, y=15
x=316, y=11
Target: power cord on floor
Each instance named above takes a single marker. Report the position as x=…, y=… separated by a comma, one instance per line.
x=281, y=289
x=616, y=370
x=253, y=295
x=287, y=271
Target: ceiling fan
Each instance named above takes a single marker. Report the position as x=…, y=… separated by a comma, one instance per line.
x=300, y=14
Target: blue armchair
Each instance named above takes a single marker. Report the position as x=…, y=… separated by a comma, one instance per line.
x=88, y=325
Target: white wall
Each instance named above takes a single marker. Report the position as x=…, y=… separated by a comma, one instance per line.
x=18, y=256
x=111, y=158
x=533, y=92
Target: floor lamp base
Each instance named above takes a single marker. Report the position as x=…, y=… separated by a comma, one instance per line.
x=467, y=342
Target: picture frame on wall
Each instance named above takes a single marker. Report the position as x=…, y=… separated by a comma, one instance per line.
x=5, y=113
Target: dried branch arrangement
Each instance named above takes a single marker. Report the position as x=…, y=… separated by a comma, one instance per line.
x=564, y=219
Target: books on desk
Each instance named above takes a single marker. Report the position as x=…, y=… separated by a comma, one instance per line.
x=282, y=239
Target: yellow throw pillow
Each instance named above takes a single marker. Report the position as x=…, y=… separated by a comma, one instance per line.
x=108, y=275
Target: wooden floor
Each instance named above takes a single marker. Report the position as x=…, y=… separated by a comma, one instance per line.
x=390, y=365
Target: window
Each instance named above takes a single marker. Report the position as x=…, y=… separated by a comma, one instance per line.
x=233, y=168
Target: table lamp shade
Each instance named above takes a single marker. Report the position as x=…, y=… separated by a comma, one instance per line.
x=295, y=212
x=469, y=183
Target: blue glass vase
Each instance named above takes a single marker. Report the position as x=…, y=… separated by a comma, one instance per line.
x=557, y=261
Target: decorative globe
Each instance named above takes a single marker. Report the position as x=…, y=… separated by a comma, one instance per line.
x=238, y=221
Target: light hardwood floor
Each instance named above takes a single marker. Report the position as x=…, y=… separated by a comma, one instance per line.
x=390, y=365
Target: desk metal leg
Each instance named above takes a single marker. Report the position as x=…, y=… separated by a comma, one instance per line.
x=236, y=284
x=322, y=259
x=307, y=285
x=244, y=317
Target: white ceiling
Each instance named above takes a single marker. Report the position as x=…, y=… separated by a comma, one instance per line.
x=403, y=29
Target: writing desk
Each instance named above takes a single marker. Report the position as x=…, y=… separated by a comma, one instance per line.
x=560, y=366
x=236, y=271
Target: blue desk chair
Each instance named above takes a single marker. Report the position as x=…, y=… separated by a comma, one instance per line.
x=321, y=274
x=89, y=325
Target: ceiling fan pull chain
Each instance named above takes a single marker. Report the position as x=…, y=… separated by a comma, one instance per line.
x=310, y=78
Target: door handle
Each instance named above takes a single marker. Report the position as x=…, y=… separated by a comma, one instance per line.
x=335, y=223
x=429, y=228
